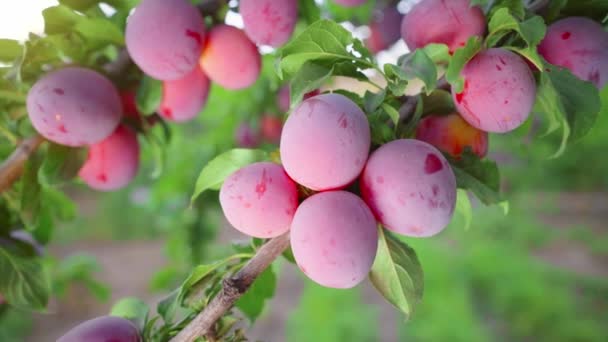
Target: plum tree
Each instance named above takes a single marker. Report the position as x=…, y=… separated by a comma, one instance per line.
x=246, y=136
x=350, y=3
x=74, y=106
x=259, y=200
x=580, y=45
x=499, y=91
x=410, y=187
x=334, y=239
x=384, y=29
x=272, y=126
x=325, y=142
x=439, y=21
x=165, y=37
x=183, y=99
x=451, y=134
x=103, y=329
x=112, y=163
x=269, y=22
x=283, y=101
x=230, y=58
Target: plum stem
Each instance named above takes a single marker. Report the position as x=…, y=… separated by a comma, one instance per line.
x=12, y=167
x=233, y=288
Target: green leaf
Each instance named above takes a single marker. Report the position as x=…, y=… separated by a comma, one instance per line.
x=392, y=113
x=464, y=208
x=196, y=281
x=311, y=76
x=461, y=57
x=24, y=282
x=131, y=308
x=167, y=307
x=481, y=176
x=100, y=31
x=373, y=101
x=213, y=174
x=323, y=41
x=60, y=19
x=309, y=10
x=79, y=5
x=253, y=301
x=420, y=65
x=61, y=164
x=31, y=193
x=515, y=7
x=397, y=274
x=438, y=102
x=149, y=95
x=10, y=50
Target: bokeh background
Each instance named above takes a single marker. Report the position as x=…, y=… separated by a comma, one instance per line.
x=538, y=273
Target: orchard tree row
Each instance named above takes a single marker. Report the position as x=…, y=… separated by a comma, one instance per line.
x=354, y=175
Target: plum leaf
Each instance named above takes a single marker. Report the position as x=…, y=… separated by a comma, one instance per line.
x=397, y=274
x=481, y=176
x=461, y=57
x=25, y=282
x=253, y=301
x=131, y=308
x=61, y=164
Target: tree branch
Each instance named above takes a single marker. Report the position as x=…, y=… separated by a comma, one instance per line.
x=232, y=289
x=12, y=167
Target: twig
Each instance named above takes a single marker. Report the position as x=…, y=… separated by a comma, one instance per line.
x=12, y=167
x=232, y=289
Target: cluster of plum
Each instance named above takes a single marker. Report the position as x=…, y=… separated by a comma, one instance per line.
x=406, y=185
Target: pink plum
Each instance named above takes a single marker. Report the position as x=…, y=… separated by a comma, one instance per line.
x=325, y=142
x=410, y=187
x=334, y=239
x=103, y=329
x=183, y=99
x=165, y=37
x=74, y=106
x=385, y=29
x=451, y=134
x=259, y=200
x=269, y=22
x=272, y=126
x=246, y=136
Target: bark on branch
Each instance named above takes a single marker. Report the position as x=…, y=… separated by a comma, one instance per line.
x=12, y=167
x=232, y=289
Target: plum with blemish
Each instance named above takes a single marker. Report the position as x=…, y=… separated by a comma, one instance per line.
x=350, y=3
x=103, y=329
x=325, y=142
x=580, y=45
x=230, y=59
x=450, y=22
x=165, y=37
x=269, y=22
x=183, y=99
x=384, y=29
x=272, y=126
x=112, y=163
x=410, y=187
x=74, y=106
x=452, y=134
x=334, y=239
x=259, y=200
x=499, y=91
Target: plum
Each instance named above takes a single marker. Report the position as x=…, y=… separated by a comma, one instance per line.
x=451, y=134
x=103, y=329
x=269, y=22
x=165, y=37
x=325, y=142
x=246, y=136
x=183, y=99
x=272, y=126
x=334, y=239
x=112, y=163
x=580, y=45
x=259, y=200
x=74, y=106
x=499, y=91
x=410, y=187
x=384, y=29
x=230, y=59
x=450, y=22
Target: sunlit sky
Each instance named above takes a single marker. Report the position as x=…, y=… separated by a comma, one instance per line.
x=25, y=16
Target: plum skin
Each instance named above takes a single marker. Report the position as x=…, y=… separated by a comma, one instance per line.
x=334, y=239
x=259, y=200
x=269, y=22
x=230, y=59
x=183, y=99
x=246, y=136
x=74, y=106
x=499, y=91
x=451, y=134
x=272, y=126
x=325, y=142
x=165, y=38
x=384, y=29
x=103, y=329
x=410, y=188
x=450, y=22
x=112, y=163
x=580, y=45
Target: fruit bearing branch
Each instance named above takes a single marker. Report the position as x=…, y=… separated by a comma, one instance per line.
x=232, y=289
x=12, y=167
